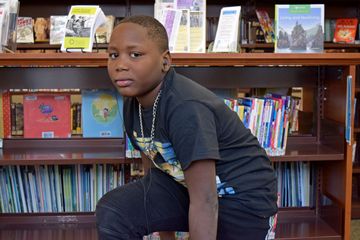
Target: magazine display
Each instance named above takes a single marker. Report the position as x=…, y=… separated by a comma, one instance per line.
x=299, y=28
x=227, y=34
x=184, y=21
x=82, y=22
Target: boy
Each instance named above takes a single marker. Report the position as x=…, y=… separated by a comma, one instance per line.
x=207, y=173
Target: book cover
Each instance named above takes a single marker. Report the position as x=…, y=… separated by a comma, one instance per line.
x=299, y=28
x=47, y=116
x=42, y=29
x=227, y=33
x=266, y=25
x=25, y=31
x=57, y=29
x=82, y=22
x=102, y=113
x=345, y=30
x=103, y=33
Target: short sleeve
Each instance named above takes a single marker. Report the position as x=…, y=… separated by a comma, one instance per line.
x=193, y=133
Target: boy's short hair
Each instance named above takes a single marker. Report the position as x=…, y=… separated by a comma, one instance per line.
x=155, y=29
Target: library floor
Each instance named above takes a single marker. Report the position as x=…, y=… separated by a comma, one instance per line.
x=355, y=229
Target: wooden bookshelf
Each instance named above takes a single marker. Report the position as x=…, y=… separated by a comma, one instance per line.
x=325, y=148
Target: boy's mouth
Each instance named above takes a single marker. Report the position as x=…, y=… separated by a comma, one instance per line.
x=123, y=82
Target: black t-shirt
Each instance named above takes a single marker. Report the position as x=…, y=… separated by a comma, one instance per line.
x=193, y=124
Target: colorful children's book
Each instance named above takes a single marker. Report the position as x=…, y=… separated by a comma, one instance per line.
x=266, y=25
x=299, y=28
x=345, y=30
x=102, y=113
x=47, y=116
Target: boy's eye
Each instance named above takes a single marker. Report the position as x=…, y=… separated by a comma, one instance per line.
x=135, y=54
x=113, y=55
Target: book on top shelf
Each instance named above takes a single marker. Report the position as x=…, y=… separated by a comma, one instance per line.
x=299, y=28
x=25, y=30
x=102, y=114
x=42, y=29
x=57, y=29
x=266, y=25
x=227, y=33
x=47, y=116
x=103, y=33
x=82, y=22
x=345, y=30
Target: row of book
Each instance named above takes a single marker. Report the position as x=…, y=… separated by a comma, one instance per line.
x=53, y=188
x=53, y=115
x=295, y=184
x=270, y=119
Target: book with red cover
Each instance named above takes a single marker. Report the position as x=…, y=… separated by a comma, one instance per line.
x=47, y=116
x=6, y=115
x=345, y=30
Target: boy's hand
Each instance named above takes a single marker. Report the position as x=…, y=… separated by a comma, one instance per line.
x=200, y=179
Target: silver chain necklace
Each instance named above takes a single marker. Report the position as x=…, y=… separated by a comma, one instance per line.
x=149, y=147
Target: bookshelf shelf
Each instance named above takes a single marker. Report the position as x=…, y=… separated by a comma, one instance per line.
x=185, y=59
x=309, y=152
x=63, y=151
x=79, y=150
x=303, y=224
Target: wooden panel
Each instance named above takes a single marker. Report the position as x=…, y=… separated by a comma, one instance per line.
x=355, y=209
x=33, y=78
x=335, y=94
x=256, y=77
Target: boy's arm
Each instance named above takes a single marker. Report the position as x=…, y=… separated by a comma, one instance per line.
x=200, y=179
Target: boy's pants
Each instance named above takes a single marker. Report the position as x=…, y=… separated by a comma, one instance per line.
x=158, y=203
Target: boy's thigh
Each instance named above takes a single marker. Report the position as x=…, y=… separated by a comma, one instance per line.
x=154, y=203
x=235, y=224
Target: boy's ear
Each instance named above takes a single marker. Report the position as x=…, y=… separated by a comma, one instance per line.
x=166, y=64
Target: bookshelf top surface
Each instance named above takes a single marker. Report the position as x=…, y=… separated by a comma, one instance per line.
x=185, y=59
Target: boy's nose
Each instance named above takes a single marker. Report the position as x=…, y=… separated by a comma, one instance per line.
x=121, y=67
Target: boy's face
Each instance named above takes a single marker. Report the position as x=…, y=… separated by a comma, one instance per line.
x=135, y=64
